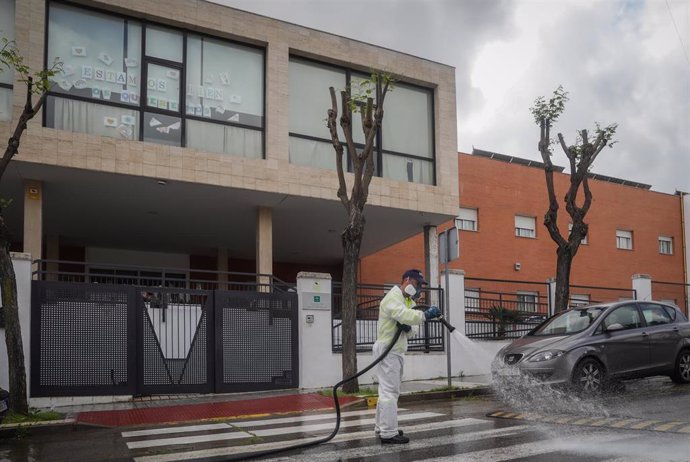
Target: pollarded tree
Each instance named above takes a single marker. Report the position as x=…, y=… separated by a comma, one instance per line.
x=37, y=84
x=581, y=157
x=368, y=102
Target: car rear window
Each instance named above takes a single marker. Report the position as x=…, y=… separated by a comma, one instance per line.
x=671, y=312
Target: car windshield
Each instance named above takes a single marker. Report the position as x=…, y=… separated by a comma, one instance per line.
x=570, y=321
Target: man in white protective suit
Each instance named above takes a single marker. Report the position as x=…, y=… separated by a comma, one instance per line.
x=396, y=310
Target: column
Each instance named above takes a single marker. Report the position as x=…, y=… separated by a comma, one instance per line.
x=264, y=246
x=456, y=314
x=642, y=285
x=551, y=283
x=33, y=219
x=318, y=367
x=431, y=255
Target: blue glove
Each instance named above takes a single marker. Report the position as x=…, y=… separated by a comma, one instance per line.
x=404, y=327
x=432, y=312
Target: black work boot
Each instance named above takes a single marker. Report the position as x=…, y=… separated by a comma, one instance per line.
x=397, y=439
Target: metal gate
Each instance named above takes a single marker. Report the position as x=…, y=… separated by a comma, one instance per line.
x=99, y=339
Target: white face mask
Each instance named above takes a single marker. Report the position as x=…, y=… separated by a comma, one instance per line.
x=410, y=290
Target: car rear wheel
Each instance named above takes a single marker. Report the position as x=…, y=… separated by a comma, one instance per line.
x=681, y=373
x=589, y=376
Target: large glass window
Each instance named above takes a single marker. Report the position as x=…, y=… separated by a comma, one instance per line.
x=213, y=101
x=6, y=74
x=404, y=147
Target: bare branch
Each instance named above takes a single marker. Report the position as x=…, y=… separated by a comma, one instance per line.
x=333, y=128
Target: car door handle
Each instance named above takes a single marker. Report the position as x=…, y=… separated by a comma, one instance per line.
x=644, y=334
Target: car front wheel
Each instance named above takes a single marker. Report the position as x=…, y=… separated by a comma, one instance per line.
x=589, y=376
x=681, y=373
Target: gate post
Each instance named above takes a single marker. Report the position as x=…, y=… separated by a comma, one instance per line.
x=315, y=328
x=456, y=308
x=642, y=286
x=551, y=284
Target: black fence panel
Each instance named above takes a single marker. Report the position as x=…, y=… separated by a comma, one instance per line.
x=82, y=339
x=258, y=345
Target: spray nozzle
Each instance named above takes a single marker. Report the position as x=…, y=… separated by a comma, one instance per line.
x=445, y=323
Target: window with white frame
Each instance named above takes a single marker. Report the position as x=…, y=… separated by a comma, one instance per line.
x=6, y=74
x=624, y=239
x=472, y=299
x=527, y=301
x=666, y=245
x=525, y=226
x=570, y=229
x=579, y=299
x=466, y=219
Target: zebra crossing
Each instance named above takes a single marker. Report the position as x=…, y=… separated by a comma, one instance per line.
x=434, y=436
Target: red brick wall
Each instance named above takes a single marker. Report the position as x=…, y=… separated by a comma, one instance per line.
x=500, y=191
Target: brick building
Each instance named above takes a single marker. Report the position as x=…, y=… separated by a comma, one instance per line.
x=632, y=230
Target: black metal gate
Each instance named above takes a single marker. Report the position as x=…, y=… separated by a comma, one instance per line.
x=99, y=339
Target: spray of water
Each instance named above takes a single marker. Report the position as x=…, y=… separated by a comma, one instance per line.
x=475, y=355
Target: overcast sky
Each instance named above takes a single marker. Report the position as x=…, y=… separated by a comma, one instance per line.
x=621, y=61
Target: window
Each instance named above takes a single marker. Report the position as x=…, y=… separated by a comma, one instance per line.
x=570, y=230
x=654, y=314
x=472, y=299
x=6, y=74
x=525, y=226
x=183, y=89
x=404, y=147
x=666, y=245
x=579, y=300
x=624, y=239
x=527, y=301
x=627, y=316
x=467, y=219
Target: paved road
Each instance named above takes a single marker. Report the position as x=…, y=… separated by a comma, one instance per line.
x=460, y=430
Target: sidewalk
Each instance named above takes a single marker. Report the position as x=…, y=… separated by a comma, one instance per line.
x=167, y=409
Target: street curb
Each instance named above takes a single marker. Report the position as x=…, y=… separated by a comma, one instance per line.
x=48, y=426
x=445, y=394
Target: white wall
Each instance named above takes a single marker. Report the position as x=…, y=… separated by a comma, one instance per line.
x=22, y=270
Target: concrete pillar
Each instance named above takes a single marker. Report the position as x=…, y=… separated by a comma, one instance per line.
x=317, y=363
x=642, y=285
x=222, y=266
x=33, y=219
x=277, y=83
x=264, y=246
x=551, y=283
x=52, y=254
x=431, y=255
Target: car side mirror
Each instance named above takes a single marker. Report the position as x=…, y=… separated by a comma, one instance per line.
x=614, y=327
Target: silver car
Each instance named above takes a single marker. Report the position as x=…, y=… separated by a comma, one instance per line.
x=590, y=347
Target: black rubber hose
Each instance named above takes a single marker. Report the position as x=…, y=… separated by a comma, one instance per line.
x=337, y=410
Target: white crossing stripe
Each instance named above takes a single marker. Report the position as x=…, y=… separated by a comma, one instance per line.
x=343, y=437
x=169, y=430
x=236, y=434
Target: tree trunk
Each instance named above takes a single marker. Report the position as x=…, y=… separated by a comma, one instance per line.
x=13, y=333
x=563, y=265
x=352, y=241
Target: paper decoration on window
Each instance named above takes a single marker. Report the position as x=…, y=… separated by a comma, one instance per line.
x=110, y=76
x=162, y=85
x=78, y=51
x=236, y=99
x=198, y=111
x=130, y=62
x=96, y=92
x=110, y=121
x=134, y=98
x=189, y=109
x=166, y=130
x=154, y=122
x=132, y=80
x=124, y=96
x=99, y=73
x=67, y=70
x=207, y=111
x=220, y=109
x=210, y=93
x=64, y=84
x=162, y=103
x=80, y=84
x=125, y=131
x=172, y=74
x=224, y=79
x=152, y=101
x=200, y=92
x=173, y=106
x=234, y=118
x=218, y=94
x=190, y=90
x=121, y=78
x=209, y=78
x=105, y=58
x=151, y=84
x=106, y=93
x=128, y=119
x=87, y=72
